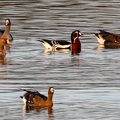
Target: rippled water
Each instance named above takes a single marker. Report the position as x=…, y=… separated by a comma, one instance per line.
x=87, y=86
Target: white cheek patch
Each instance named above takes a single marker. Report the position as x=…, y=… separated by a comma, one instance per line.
x=80, y=33
x=7, y=22
x=24, y=100
x=52, y=90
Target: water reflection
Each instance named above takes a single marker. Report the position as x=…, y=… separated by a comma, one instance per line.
x=100, y=47
x=50, y=51
x=4, y=61
x=113, y=46
x=75, y=61
x=38, y=109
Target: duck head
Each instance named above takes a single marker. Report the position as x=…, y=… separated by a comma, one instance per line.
x=7, y=22
x=76, y=44
x=75, y=34
x=51, y=90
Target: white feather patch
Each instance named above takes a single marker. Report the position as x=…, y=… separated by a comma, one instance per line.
x=100, y=39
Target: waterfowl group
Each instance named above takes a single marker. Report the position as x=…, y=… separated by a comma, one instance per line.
x=74, y=45
x=34, y=98
x=109, y=40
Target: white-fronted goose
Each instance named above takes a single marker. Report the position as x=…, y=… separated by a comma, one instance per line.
x=6, y=33
x=37, y=99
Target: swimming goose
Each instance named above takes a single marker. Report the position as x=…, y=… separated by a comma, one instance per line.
x=107, y=36
x=109, y=40
x=37, y=99
x=62, y=44
x=6, y=33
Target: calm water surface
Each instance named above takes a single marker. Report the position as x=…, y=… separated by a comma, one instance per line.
x=87, y=86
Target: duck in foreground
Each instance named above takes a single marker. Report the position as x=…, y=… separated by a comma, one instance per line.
x=74, y=45
x=109, y=40
x=6, y=33
x=34, y=98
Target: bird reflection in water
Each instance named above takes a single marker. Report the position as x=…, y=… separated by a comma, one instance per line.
x=100, y=47
x=4, y=61
x=75, y=61
x=39, y=110
x=51, y=51
x=27, y=109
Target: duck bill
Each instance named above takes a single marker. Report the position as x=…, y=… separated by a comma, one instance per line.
x=80, y=34
x=9, y=43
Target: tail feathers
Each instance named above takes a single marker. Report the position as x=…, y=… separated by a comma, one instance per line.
x=28, y=91
x=96, y=34
x=102, y=31
x=46, y=43
x=42, y=40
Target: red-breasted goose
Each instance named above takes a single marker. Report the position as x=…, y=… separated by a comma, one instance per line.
x=74, y=45
x=37, y=99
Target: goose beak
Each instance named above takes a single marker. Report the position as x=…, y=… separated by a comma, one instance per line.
x=9, y=43
x=80, y=34
x=52, y=90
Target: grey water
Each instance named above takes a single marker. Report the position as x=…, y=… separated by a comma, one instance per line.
x=87, y=86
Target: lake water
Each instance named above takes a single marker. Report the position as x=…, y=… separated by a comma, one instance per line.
x=87, y=86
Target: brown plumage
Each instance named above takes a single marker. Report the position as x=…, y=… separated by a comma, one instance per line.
x=37, y=99
x=3, y=42
x=6, y=33
x=110, y=40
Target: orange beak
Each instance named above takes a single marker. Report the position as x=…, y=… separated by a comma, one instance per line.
x=9, y=43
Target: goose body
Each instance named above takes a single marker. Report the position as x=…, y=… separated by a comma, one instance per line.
x=75, y=43
x=37, y=99
x=107, y=36
x=109, y=40
x=6, y=33
x=56, y=44
x=3, y=42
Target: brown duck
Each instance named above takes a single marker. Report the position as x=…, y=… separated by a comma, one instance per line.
x=3, y=42
x=6, y=33
x=37, y=99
